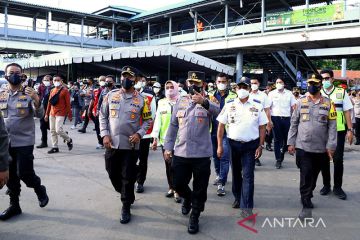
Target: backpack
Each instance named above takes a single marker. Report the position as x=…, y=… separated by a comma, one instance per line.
x=55, y=99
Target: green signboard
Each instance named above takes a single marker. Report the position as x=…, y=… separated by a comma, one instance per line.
x=306, y=16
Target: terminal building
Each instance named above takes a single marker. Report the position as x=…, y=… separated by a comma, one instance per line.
x=230, y=36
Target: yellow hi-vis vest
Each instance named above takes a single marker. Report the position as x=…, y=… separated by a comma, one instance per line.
x=337, y=98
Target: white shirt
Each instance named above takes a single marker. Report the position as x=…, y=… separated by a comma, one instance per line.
x=243, y=120
x=261, y=98
x=281, y=103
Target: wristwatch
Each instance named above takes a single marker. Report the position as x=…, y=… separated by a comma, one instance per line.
x=350, y=130
x=261, y=146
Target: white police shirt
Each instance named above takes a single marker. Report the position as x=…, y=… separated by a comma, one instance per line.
x=243, y=120
x=281, y=103
x=261, y=98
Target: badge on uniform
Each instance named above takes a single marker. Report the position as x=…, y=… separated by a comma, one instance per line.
x=232, y=108
x=18, y=105
x=339, y=96
x=113, y=113
x=305, y=117
x=136, y=101
x=232, y=120
x=132, y=116
x=253, y=109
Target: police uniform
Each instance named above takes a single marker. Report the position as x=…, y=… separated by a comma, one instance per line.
x=4, y=146
x=19, y=111
x=120, y=118
x=342, y=103
x=189, y=136
x=312, y=132
x=243, y=121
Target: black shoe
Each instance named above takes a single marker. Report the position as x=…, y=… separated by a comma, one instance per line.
x=305, y=213
x=82, y=130
x=186, y=207
x=339, y=193
x=325, y=190
x=125, y=215
x=170, y=193
x=53, y=150
x=236, y=204
x=177, y=198
x=246, y=213
x=278, y=164
x=42, y=145
x=70, y=144
x=357, y=142
x=139, y=188
x=42, y=196
x=193, y=226
x=257, y=162
x=268, y=147
x=12, y=211
x=307, y=203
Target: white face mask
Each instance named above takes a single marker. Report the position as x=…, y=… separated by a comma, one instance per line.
x=242, y=93
x=138, y=85
x=254, y=87
x=46, y=83
x=57, y=84
x=102, y=83
x=156, y=90
x=221, y=86
x=279, y=86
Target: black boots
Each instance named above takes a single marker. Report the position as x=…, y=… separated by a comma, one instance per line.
x=186, y=207
x=42, y=196
x=125, y=214
x=53, y=150
x=306, y=212
x=193, y=226
x=13, y=210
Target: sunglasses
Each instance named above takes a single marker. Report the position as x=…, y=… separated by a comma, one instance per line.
x=327, y=78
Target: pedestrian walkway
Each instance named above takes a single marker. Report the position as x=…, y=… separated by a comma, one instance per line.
x=83, y=204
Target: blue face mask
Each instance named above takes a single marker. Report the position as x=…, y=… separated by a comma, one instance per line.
x=14, y=79
x=327, y=84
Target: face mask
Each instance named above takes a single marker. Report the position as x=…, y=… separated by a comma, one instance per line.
x=296, y=94
x=102, y=83
x=170, y=93
x=221, y=86
x=127, y=83
x=254, y=87
x=242, y=93
x=14, y=79
x=327, y=84
x=46, y=83
x=313, y=89
x=194, y=88
x=57, y=84
x=156, y=90
x=138, y=85
x=279, y=86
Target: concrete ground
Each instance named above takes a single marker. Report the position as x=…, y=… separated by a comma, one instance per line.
x=84, y=205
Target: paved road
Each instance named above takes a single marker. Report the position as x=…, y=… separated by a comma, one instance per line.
x=83, y=204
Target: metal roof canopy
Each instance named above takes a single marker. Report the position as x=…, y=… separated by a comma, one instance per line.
x=61, y=15
x=151, y=59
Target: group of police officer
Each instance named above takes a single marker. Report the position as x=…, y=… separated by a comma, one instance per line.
x=235, y=124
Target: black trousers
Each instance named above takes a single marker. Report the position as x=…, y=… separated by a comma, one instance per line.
x=338, y=160
x=121, y=167
x=357, y=129
x=44, y=127
x=97, y=129
x=199, y=169
x=269, y=137
x=310, y=166
x=22, y=168
x=169, y=171
x=87, y=119
x=143, y=160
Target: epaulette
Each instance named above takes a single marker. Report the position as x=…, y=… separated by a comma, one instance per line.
x=230, y=100
x=257, y=101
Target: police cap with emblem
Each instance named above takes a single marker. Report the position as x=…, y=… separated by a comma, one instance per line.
x=134, y=72
x=244, y=81
x=196, y=76
x=315, y=78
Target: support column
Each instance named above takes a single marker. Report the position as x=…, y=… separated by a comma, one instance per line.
x=82, y=32
x=265, y=77
x=262, y=16
x=132, y=35
x=343, y=67
x=195, y=26
x=68, y=29
x=34, y=24
x=170, y=29
x=239, y=66
x=148, y=33
x=47, y=27
x=113, y=35
x=6, y=25
x=307, y=7
x=226, y=20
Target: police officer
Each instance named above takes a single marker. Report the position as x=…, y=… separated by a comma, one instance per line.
x=344, y=130
x=4, y=153
x=246, y=122
x=189, y=136
x=19, y=105
x=121, y=131
x=312, y=136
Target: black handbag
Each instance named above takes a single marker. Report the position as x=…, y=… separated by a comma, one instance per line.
x=55, y=99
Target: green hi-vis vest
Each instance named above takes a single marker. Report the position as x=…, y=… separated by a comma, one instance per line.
x=337, y=98
x=165, y=110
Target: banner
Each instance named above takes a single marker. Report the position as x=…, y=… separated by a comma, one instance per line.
x=326, y=13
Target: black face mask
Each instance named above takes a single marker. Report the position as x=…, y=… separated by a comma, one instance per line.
x=14, y=79
x=108, y=84
x=194, y=88
x=296, y=94
x=313, y=89
x=127, y=83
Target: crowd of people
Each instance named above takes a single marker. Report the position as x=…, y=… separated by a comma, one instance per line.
x=191, y=122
